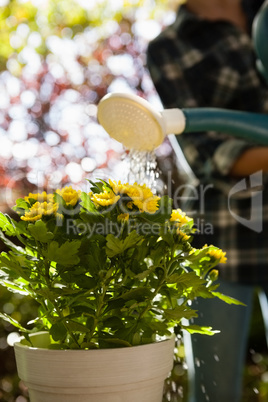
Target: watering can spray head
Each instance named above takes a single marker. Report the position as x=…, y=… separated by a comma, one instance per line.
x=132, y=121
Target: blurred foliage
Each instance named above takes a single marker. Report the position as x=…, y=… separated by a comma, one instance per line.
x=57, y=60
x=51, y=17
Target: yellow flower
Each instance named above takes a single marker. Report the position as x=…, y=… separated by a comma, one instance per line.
x=150, y=206
x=183, y=236
x=40, y=209
x=69, y=195
x=123, y=217
x=41, y=197
x=130, y=205
x=218, y=255
x=107, y=197
x=179, y=217
x=214, y=274
x=117, y=187
x=142, y=197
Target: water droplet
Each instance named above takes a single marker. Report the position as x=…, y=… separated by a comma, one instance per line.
x=197, y=362
x=216, y=357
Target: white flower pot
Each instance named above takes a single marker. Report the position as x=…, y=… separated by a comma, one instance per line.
x=134, y=374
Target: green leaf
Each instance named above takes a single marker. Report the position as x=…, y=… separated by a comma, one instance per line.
x=227, y=299
x=155, y=326
x=179, y=312
x=66, y=254
x=113, y=322
x=95, y=260
x=132, y=239
x=196, y=329
x=115, y=246
x=11, y=320
x=85, y=282
x=159, y=252
x=14, y=287
x=6, y=225
x=47, y=294
x=87, y=204
x=115, y=304
x=167, y=237
x=83, y=309
x=138, y=294
x=77, y=327
x=200, y=291
x=98, y=187
x=21, y=206
x=186, y=280
x=13, y=264
x=58, y=331
x=39, y=231
x=60, y=201
x=144, y=274
x=10, y=244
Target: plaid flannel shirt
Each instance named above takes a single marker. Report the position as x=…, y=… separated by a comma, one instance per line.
x=200, y=63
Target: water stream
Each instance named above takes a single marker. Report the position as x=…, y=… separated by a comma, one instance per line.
x=143, y=169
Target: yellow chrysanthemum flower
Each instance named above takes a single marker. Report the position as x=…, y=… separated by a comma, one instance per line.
x=142, y=197
x=69, y=195
x=179, y=217
x=214, y=274
x=123, y=217
x=40, y=209
x=41, y=197
x=150, y=205
x=130, y=205
x=107, y=197
x=183, y=236
x=218, y=255
x=118, y=187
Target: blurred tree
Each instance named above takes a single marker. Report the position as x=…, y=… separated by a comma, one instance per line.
x=57, y=59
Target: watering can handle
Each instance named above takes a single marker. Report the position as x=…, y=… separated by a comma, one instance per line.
x=250, y=126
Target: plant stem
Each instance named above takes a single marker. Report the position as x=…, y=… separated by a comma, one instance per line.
x=98, y=311
x=53, y=301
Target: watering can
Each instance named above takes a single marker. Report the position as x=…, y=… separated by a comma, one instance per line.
x=132, y=121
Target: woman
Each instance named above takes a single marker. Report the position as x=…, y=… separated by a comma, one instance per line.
x=206, y=59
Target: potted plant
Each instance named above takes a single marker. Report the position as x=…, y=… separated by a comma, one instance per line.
x=113, y=271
